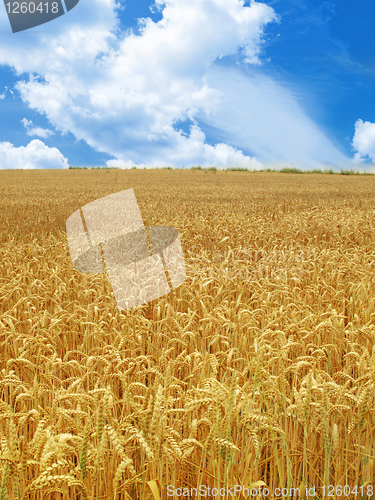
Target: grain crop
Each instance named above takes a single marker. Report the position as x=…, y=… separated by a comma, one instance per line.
x=258, y=371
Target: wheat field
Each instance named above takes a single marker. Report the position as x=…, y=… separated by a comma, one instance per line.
x=257, y=372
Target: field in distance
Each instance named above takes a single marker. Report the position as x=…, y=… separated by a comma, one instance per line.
x=259, y=370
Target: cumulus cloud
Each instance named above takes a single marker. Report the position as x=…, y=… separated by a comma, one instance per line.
x=194, y=151
x=126, y=101
x=124, y=93
x=38, y=131
x=35, y=155
x=364, y=141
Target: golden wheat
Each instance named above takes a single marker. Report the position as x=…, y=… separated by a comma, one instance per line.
x=258, y=370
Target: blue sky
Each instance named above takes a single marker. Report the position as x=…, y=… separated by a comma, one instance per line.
x=191, y=82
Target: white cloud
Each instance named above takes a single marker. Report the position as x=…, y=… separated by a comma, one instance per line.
x=262, y=116
x=123, y=164
x=122, y=93
x=364, y=141
x=35, y=155
x=38, y=131
x=126, y=101
x=3, y=95
x=79, y=36
x=27, y=123
x=193, y=151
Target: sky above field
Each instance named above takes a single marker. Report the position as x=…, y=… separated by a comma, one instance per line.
x=191, y=82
